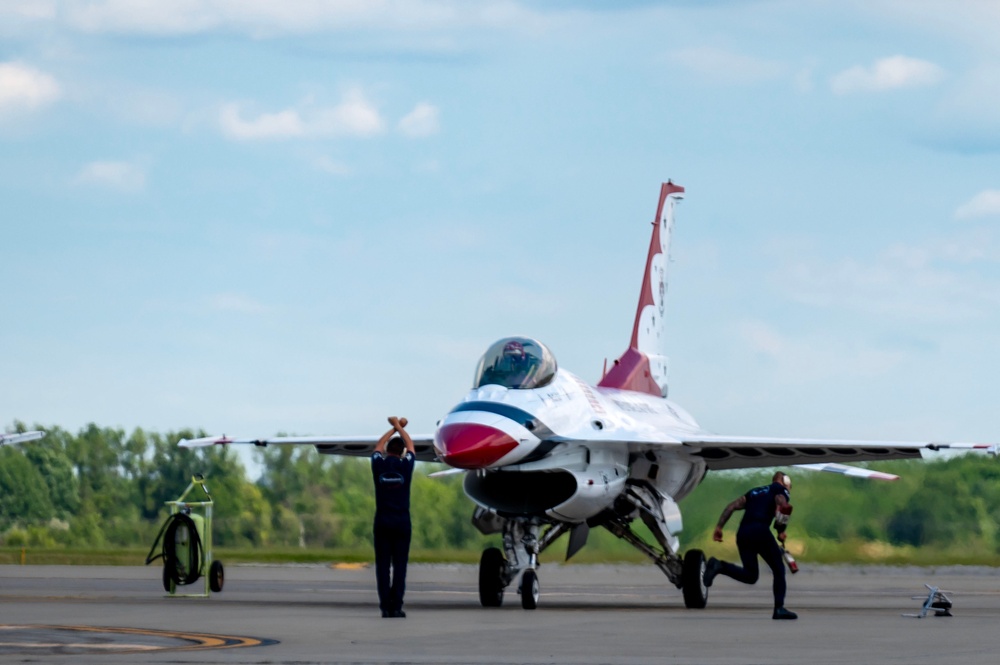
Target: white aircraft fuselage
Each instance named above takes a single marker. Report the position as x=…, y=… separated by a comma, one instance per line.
x=566, y=427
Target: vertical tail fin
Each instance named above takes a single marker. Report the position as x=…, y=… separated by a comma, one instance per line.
x=643, y=367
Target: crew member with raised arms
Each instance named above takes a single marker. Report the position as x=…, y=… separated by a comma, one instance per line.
x=762, y=505
x=392, y=471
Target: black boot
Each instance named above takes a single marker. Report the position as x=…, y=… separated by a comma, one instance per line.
x=712, y=568
x=782, y=613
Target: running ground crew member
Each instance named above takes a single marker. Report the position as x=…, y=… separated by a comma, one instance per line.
x=762, y=504
x=392, y=473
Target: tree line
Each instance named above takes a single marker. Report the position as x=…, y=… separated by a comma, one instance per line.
x=103, y=487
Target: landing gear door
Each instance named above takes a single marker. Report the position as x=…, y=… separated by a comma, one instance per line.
x=487, y=521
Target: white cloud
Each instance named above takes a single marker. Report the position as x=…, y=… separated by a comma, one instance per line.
x=969, y=22
x=930, y=283
x=814, y=358
x=235, y=302
x=280, y=125
x=328, y=165
x=354, y=116
x=965, y=118
x=24, y=88
x=761, y=338
x=728, y=67
x=890, y=73
x=983, y=204
x=422, y=121
x=28, y=9
x=266, y=17
x=125, y=176
x=151, y=108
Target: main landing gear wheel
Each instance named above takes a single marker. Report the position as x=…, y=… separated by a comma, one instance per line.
x=216, y=576
x=693, y=580
x=491, y=583
x=529, y=589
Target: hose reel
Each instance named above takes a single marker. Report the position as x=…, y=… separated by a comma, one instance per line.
x=182, y=550
x=186, y=548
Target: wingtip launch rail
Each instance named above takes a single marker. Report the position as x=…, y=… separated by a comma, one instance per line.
x=20, y=437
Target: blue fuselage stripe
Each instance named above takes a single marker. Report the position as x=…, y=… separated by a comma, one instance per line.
x=519, y=416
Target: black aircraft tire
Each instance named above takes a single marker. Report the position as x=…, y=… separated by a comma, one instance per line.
x=491, y=568
x=529, y=590
x=693, y=580
x=216, y=576
x=168, y=580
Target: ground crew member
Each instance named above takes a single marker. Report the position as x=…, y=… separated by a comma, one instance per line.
x=392, y=470
x=762, y=505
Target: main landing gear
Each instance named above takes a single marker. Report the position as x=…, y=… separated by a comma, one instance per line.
x=658, y=513
x=693, y=580
x=495, y=574
x=523, y=541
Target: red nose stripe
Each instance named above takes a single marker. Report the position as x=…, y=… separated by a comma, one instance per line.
x=472, y=446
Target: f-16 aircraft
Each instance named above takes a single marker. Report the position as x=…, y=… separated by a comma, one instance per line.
x=546, y=454
x=8, y=439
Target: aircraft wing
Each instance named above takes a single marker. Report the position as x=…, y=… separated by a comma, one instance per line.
x=746, y=452
x=352, y=446
x=7, y=439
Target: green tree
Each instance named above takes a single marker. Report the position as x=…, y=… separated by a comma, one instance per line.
x=24, y=496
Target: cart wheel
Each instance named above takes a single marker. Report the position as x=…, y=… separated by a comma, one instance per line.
x=168, y=580
x=216, y=576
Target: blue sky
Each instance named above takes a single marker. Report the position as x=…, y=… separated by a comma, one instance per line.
x=301, y=217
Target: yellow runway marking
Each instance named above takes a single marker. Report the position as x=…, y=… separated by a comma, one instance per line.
x=348, y=566
x=197, y=641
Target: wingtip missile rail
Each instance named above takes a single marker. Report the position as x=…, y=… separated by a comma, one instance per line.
x=20, y=437
x=205, y=442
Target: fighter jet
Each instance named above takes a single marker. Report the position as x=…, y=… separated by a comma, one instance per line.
x=545, y=454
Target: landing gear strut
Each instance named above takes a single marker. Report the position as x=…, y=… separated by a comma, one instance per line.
x=657, y=514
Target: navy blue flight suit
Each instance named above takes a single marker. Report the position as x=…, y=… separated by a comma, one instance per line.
x=754, y=539
x=392, y=529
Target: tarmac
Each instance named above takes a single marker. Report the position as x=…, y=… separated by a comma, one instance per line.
x=303, y=614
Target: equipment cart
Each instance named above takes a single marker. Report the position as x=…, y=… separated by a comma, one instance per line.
x=187, y=544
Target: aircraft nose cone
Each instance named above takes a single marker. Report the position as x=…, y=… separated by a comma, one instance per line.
x=471, y=445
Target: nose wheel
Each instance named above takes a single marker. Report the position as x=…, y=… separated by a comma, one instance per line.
x=529, y=589
x=492, y=570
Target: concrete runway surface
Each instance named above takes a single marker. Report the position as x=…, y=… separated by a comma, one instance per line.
x=587, y=614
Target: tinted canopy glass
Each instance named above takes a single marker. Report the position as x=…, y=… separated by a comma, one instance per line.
x=516, y=362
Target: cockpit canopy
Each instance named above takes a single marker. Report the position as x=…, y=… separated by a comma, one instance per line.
x=516, y=362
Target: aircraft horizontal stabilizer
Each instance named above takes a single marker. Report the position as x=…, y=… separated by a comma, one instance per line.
x=853, y=471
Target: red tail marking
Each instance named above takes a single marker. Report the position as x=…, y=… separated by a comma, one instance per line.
x=631, y=371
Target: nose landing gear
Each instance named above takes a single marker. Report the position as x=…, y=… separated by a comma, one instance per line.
x=492, y=577
x=522, y=546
